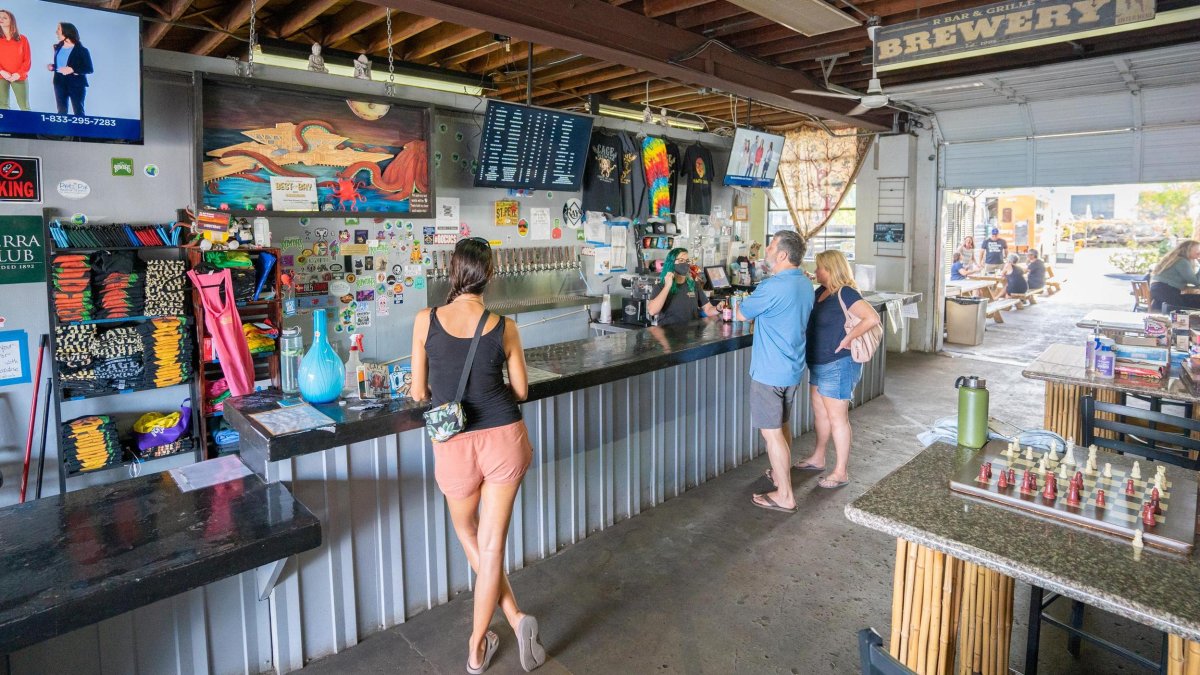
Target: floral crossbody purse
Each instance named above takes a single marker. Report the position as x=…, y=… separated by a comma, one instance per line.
x=448, y=419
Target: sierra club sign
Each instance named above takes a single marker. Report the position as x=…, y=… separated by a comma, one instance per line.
x=1001, y=24
x=22, y=251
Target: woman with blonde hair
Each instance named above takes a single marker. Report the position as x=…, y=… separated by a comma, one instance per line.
x=1173, y=274
x=832, y=373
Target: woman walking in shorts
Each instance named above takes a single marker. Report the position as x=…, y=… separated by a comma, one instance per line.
x=480, y=468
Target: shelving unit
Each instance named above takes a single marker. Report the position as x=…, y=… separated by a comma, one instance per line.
x=70, y=405
x=266, y=365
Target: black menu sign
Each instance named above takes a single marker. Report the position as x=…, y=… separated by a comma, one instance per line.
x=525, y=147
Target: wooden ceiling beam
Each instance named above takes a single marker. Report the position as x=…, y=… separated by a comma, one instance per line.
x=233, y=21
x=554, y=74
x=356, y=18
x=710, y=13
x=171, y=11
x=404, y=26
x=299, y=17
x=437, y=38
x=750, y=23
x=636, y=94
x=597, y=29
x=599, y=86
x=519, y=54
x=480, y=45
x=656, y=8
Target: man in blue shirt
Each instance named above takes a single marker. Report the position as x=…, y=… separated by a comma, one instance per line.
x=779, y=308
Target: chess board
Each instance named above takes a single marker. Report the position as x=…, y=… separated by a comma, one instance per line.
x=1121, y=516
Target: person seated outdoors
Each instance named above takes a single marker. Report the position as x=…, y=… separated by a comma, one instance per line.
x=958, y=269
x=1175, y=273
x=1014, y=277
x=1035, y=271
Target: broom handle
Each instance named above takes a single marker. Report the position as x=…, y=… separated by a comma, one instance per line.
x=33, y=406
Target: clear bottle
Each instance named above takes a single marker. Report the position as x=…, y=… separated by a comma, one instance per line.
x=287, y=292
x=291, y=350
x=350, y=387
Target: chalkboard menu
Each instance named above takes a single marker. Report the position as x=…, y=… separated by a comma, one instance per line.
x=525, y=147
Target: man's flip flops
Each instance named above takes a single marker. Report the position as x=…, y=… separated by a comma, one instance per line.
x=770, y=504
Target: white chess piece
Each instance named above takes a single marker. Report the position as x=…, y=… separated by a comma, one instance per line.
x=1107, y=470
x=1137, y=539
x=1136, y=472
x=1092, y=454
x=1053, y=452
x=1041, y=467
x=1062, y=472
x=1069, y=455
x=1029, y=453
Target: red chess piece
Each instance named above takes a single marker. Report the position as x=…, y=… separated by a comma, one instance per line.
x=1012, y=476
x=1129, y=486
x=987, y=466
x=1002, y=482
x=984, y=474
x=1148, y=518
x=1073, y=494
x=1078, y=480
x=1154, y=502
x=1100, y=499
x=1051, y=491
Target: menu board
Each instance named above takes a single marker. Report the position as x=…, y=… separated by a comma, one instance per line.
x=526, y=147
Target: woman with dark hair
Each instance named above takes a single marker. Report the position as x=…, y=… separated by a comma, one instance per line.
x=676, y=298
x=71, y=66
x=480, y=468
x=14, y=62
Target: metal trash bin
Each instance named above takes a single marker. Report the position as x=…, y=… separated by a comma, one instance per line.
x=965, y=319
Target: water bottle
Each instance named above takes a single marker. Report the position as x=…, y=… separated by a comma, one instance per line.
x=972, y=411
x=1089, y=357
x=291, y=350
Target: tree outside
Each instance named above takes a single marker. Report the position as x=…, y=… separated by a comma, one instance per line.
x=1174, y=206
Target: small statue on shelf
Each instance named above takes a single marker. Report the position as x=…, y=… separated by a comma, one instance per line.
x=316, y=62
x=362, y=67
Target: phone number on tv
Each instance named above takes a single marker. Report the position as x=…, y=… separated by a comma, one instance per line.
x=89, y=121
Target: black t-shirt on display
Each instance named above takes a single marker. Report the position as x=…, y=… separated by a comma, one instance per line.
x=602, y=175
x=698, y=167
x=994, y=251
x=682, y=306
x=673, y=160
x=633, y=180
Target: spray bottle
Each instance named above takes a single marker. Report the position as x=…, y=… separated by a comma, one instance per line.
x=350, y=387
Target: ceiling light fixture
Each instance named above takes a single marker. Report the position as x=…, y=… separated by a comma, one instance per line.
x=607, y=108
x=342, y=64
x=807, y=17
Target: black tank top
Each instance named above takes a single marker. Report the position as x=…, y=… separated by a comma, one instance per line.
x=487, y=402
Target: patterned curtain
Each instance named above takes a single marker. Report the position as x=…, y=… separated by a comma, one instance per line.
x=815, y=172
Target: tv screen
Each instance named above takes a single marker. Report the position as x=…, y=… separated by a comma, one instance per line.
x=526, y=147
x=78, y=72
x=754, y=159
x=716, y=277
x=304, y=152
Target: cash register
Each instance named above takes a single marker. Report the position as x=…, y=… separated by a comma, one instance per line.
x=718, y=281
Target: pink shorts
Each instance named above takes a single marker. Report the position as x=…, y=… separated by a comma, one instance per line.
x=468, y=460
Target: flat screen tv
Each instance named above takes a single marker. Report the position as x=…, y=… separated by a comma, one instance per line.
x=526, y=147
x=295, y=151
x=78, y=72
x=754, y=159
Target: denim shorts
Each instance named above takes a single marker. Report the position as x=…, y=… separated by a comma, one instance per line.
x=835, y=379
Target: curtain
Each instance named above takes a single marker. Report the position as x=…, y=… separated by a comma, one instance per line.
x=815, y=172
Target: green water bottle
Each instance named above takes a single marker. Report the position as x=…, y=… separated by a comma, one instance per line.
x=972, y=411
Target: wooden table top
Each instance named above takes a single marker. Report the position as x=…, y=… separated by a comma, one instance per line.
x=967, y=286
x=1063, y=364
x=1111, y=319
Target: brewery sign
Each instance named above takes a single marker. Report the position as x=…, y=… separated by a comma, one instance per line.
x=998, y=26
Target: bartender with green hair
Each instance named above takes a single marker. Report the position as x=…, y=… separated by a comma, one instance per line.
x=677, y=298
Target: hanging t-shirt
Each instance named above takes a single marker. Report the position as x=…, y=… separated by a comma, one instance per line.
x=698, y=167
x=633, y=180
x=655, y=163
x=673, y=166
x=602, y=175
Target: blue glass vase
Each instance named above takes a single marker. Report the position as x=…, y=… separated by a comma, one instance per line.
x=321, y=370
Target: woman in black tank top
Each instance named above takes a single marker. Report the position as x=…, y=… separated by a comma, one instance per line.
x=480, y=468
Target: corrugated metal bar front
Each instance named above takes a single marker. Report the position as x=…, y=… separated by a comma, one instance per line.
x=388, y=552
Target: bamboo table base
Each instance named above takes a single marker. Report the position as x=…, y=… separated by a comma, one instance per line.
x=951, y=617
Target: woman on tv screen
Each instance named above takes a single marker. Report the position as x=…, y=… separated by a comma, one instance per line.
x=14, y=62
x=71, y=66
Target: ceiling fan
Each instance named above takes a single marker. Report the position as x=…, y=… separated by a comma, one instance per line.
x=873, y=99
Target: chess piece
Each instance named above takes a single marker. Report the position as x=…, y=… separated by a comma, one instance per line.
x=1077, y=479
x=316, y=62
x=1052, y=453
x=1091, y=465
x=1073, y=494
x=1012, y=476
x=1136, y=471
x=1100, y=499
x=1107, y=470
x=1129, y=487
x=1154, y=502
x=1137, y=539
x=1051, y=490
x=1002, y=482
x=1069, y=455
x=1029, y=482
x=988, y=467
x=1029, y=453
x=1062, y=471
x=1091, y=459
x=984, y=474
x=1148, y=519
x=362, y=67
x=1041, y=467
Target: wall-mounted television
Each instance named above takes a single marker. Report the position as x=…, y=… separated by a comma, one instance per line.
x=295, y=151
x=526, y=147
x=754, y=159
x=78, y=72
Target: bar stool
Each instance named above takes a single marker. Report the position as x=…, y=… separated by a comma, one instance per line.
x=874, y=657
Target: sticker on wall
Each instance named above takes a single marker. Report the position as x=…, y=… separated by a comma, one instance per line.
x=22, y=250
x=360, y=236
x=151, y=171
x=3, y=321
x=380, y=277
x=381, y=307
x=365, y=296
x=363, y=318
x=291, y=242
x=556, y=233
x=430, y=233
x=21, y=179
x=464, y=230
x=508, y=212
x=549, y=195
x=419, y=283
x=122, y=167
x=73, y=188
x=572, y=213
x=79, y=218
x=579, y=235
x=398, y=299
x=523, y=227
x=408, y=281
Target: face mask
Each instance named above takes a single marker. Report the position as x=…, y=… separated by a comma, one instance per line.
x=683, y=268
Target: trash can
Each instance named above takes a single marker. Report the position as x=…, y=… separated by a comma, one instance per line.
x=965, y=318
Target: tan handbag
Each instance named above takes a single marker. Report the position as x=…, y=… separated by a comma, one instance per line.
x=863, y=347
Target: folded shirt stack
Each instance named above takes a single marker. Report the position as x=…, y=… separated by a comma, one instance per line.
x=182, y=445
x=75, y=353
x=214, y=398
x=260, y=337
x=71, y=274
x=118, y=281
x=168, y=351
x=90, y=443
x=120, y=357
x=225, y=437
x=166, y=290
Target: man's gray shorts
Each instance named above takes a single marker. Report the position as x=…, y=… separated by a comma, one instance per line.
x=770, y=407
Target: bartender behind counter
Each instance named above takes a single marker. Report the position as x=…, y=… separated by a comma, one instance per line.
x=677, y=298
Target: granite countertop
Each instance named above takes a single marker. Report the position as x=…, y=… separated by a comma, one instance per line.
x=72, y=560
x=553, y=370
x=915, y=503
x=1063, y=364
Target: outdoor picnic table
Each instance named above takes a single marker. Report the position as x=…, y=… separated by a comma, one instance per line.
x=968, y=287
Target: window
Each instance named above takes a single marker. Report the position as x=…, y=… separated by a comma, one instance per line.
x=838, y=233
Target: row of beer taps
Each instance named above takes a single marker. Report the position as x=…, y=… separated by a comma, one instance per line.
x=517, y=261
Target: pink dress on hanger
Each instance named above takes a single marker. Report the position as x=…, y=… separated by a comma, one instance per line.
x=225, y=326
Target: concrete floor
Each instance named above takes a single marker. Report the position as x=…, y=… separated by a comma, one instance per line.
x=706, y=583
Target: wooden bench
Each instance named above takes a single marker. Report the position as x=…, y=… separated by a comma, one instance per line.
x=1029, y=298
x=1053, y=283
x=996, y=306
